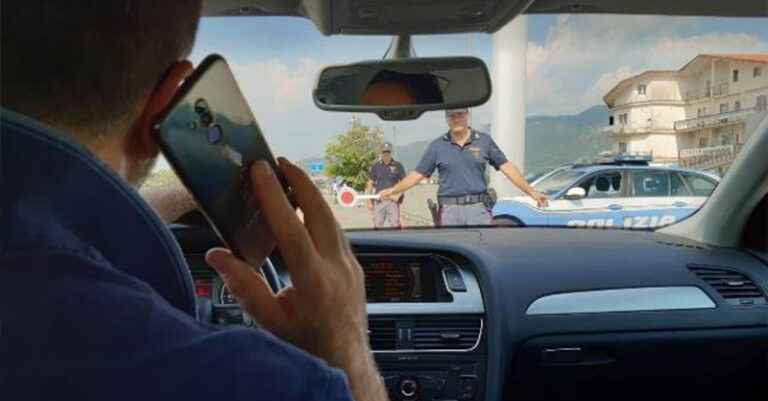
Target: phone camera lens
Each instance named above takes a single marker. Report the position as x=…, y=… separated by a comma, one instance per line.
x=215, y=133
x=204, y=112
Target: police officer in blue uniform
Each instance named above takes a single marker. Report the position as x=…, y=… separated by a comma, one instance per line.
x=460, y=157
x=384, y=174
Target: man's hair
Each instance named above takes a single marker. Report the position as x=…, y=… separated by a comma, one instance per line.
x=88, y=64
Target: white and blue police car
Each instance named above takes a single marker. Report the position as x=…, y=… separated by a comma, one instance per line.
x=622, y=193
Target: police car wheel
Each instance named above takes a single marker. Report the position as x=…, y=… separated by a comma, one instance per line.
x=508, y=221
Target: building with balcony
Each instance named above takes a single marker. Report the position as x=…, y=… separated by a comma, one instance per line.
x=697, y=116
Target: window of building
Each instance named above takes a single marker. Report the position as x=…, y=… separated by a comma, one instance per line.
x=701, y=111
x=641, y=89
x=736, y=105
x=758, y=71
x=735, y=75
x=761, y=104
x=723, y=108
x=622, y=148
x=703, y=142
x=623, y=118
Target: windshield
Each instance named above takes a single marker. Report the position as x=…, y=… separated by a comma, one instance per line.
x=681, y=95
x=556, y=182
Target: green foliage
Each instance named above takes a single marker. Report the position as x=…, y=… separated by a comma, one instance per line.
x=353, y=153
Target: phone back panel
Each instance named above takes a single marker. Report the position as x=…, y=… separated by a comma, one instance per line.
x=211, y=138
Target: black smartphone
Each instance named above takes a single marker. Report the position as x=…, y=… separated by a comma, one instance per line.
x=210, y=138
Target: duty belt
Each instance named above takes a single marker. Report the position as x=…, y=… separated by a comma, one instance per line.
x=461, y=200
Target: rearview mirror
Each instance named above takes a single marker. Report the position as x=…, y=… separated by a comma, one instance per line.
x=575, y=193
x=403, y=89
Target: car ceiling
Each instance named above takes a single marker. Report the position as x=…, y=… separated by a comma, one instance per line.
x=405, y=17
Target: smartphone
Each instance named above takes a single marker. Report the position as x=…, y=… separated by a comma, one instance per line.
x=210, y=138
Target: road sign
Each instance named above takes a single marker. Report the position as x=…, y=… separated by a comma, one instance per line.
x=316, y=167
x=348, y=197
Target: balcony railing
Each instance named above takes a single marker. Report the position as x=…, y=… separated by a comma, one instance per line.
x=720, y=90
x=629, y=128
x=703, y=93
x=715, y=119
x=696, y=94
x=707, y=158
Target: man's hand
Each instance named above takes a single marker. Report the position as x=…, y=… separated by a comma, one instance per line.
x=369, y=204
x=324, y=311
x=541, y=199
x=387, y=193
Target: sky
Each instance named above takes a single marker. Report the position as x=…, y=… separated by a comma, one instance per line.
x=572, y=61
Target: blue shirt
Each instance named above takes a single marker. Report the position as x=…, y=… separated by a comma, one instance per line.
x=97, y=301
x=386, y=175
x=461, y=168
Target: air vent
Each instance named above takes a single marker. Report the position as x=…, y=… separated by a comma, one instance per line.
x=448, y=334
x=736, y=288
x=382, y=334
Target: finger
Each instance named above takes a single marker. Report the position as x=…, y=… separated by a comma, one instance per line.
x=318, y=217
x=290, y=235
x=249, y=287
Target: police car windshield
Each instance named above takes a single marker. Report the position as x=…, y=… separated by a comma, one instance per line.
x=552, y=184
x=683, y=92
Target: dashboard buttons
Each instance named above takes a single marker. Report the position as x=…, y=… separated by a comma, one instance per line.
x=454, y=280
x=409, y=388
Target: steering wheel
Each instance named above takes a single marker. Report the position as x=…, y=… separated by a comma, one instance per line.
x=270, y=274
x=196, y=219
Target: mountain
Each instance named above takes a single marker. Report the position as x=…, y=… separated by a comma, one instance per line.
x=550, y=141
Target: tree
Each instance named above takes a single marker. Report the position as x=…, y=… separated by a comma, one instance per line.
x=353, y=153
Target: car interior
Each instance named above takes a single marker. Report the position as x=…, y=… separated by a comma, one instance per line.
x=504, y=313
x=541, y=313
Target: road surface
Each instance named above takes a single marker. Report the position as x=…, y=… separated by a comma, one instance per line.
x=414, y=211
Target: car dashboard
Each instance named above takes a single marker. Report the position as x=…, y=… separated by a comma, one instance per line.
x=546, y=314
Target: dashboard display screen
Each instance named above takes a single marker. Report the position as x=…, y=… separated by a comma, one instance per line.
x=396, y=279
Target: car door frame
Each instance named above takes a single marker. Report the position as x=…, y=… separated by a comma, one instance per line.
x=649, y=212
x=588, y=212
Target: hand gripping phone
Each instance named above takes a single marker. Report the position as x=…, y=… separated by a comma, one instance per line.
x=210, y=138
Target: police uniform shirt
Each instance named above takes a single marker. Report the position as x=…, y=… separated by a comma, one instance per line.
x=461, y=169
x=387, y=175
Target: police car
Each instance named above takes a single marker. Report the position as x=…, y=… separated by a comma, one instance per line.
x=623, y=193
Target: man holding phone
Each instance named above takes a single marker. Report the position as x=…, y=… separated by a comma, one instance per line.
x=108, y=306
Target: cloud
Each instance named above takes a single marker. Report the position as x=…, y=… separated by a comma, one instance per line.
x=606, y=82
x=583, y=57
x=677, y=51
x=273, y=86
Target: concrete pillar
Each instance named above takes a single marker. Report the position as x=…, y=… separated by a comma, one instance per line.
x=510, y=45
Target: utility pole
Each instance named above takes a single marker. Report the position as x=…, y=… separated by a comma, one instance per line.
x=394, y=140
x=470, y=51
x=508, y=99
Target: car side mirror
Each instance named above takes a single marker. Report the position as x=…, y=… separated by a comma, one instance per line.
x=575, y=193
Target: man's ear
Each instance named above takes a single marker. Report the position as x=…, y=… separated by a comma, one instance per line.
x=141, y=141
